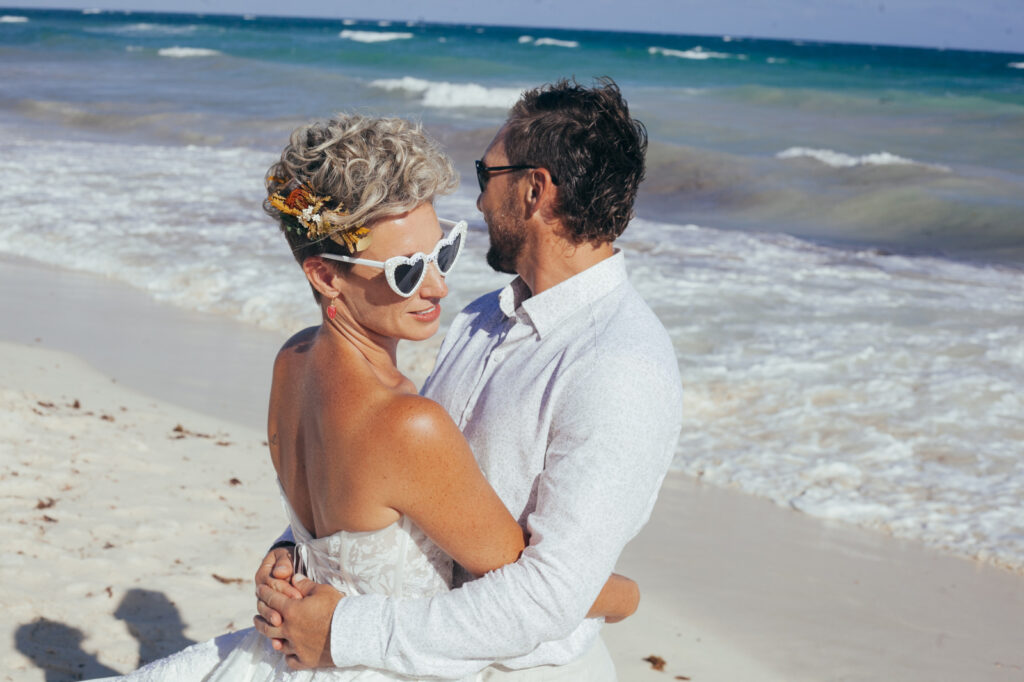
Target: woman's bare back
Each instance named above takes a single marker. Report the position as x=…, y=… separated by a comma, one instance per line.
x=322, y=434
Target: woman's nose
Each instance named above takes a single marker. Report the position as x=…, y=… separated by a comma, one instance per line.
x=434, y=285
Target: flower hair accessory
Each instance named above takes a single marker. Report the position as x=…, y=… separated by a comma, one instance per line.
x=308, y=208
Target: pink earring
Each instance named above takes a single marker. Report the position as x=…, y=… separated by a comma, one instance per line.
x=331, y=310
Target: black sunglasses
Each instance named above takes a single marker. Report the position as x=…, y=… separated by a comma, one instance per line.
x=483, y=173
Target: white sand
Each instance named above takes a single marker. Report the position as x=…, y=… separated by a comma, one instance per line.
x=121, y=564
x=115, y=524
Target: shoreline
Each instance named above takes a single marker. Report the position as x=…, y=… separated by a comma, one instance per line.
x=732, y=585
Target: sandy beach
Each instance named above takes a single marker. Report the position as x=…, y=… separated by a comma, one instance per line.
x=138, y=497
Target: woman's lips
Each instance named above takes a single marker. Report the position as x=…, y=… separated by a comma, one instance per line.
x=428, y=315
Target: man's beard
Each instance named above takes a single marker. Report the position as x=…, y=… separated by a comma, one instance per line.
x=507, y=231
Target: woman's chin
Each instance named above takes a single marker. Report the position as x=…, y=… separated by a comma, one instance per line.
x=421, y=331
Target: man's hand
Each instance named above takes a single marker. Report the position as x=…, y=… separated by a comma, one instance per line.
x=304, y=629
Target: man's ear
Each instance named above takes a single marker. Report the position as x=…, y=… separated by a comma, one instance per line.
x=540, y=193
x=323, y=277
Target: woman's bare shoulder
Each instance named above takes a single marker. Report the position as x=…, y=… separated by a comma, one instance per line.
x=414, y=429
x=299, y=344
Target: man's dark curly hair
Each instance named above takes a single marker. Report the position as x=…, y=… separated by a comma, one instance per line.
x=590, y=145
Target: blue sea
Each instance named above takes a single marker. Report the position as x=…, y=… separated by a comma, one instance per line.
x=832, y=234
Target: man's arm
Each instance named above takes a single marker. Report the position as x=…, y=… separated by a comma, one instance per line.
x=611, y=447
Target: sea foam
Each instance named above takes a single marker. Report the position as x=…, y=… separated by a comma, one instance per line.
x=848, y=385
x=554, y=42
x=697, y=53
x=1016, y=65
x=187, y=52
x=12, y=19
x=452, y=95
x=144, y=29
x=840, y=160
x=373, y=36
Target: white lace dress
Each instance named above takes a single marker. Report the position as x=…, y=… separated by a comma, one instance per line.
x=399, y=560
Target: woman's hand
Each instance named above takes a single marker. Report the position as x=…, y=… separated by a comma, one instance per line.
x=618, y=600
x=276, y=572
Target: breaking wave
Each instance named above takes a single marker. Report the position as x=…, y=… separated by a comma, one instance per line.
x=697, y=53
x=373, y=36
x=451, y=95
x=185, y=52
x=528, y=40
x=840, y=160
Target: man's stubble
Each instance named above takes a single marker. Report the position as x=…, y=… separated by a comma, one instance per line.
x=507, y=231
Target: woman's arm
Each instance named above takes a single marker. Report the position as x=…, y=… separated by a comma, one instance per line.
x=433, y=478
x=617, y=601
x=442, y=489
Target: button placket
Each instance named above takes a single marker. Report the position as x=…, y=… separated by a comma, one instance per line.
x=486, y=370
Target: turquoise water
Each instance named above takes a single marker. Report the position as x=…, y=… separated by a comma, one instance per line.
x=832, y=234
x=719, y=110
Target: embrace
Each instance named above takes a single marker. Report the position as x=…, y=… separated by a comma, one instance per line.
x=468, y=531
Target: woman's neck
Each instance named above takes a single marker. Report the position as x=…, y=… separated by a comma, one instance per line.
x=380, y=353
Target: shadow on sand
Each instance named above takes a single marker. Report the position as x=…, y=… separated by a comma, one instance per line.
x=152, y=619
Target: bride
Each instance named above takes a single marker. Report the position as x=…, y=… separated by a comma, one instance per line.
x=380, y=488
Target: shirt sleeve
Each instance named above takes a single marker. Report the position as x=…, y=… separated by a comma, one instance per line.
x=286, y=536
x=612, y=441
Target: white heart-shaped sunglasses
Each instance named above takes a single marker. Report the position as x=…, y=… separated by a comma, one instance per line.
x=406, y=273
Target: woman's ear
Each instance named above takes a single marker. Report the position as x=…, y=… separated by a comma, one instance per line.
x=323, y=277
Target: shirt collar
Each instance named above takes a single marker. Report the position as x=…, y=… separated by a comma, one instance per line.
x=548, y=308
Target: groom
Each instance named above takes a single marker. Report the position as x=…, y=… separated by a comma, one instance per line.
x=566, y=386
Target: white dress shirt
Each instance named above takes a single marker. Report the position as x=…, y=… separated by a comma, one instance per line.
x=572, y=403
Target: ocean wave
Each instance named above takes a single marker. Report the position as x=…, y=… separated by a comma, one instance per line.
x=185, y=52
x=373, y=36
x=444, y=95
x=795, y=340
x=840, y=160
x=349, y=22
x=12, y=19
x=847, y=385
x=148, y=28
x=92, y=10
x=697, y=53
x=1016, y=65
x=555, y=42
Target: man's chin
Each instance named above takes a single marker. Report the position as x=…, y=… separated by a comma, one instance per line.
x=498, y=262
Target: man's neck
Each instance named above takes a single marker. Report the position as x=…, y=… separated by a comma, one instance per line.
x=551, y=260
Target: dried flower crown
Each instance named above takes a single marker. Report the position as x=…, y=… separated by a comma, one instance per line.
x=308, y=209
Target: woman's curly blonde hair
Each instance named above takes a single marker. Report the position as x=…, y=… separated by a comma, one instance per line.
x=374, y=167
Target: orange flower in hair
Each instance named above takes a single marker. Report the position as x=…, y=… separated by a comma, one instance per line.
x=308, y=208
